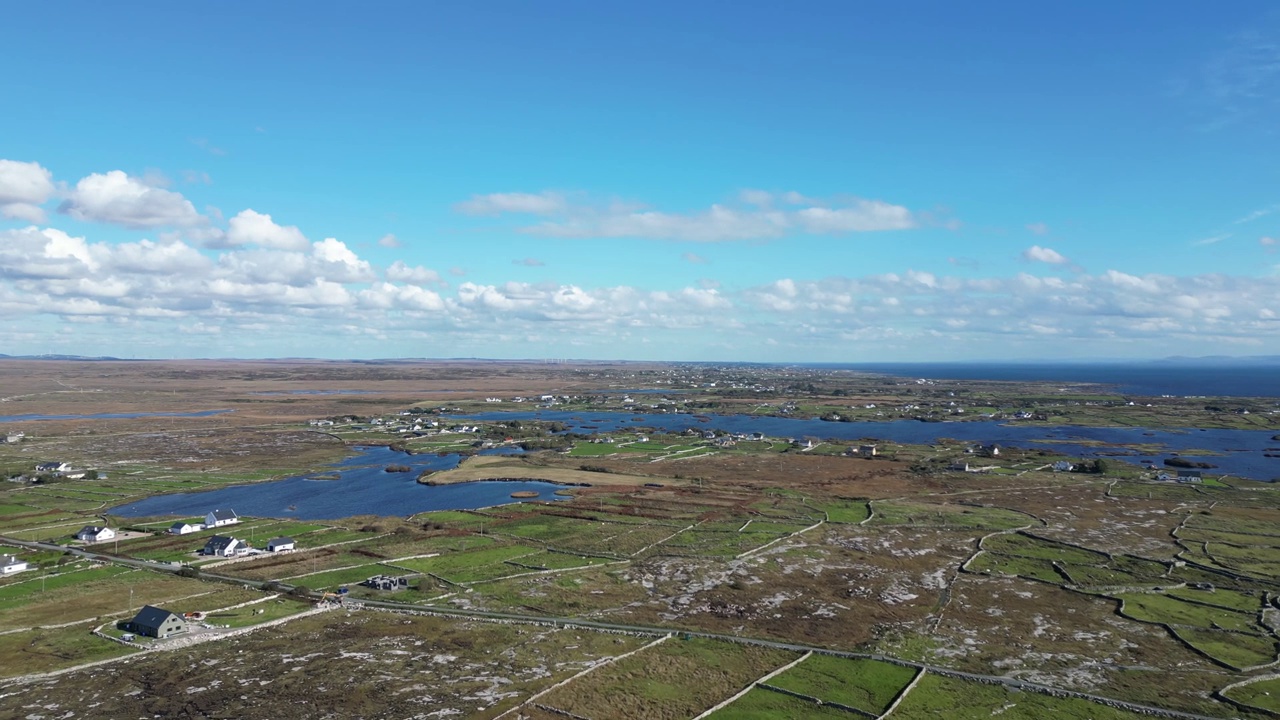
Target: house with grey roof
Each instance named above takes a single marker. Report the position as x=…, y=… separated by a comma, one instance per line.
x=222, y=546
x=280, y=544
x=218, y=518
x=156, y=622
x=10, y=564
x=184, y=528
x=95, y=534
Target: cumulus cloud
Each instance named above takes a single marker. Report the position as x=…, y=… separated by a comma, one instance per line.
x=400, y=272
x=1035, y=253
x=119, y=199
x=543, y=203
x=24, y=187
x=389, y=241
x=758, y=219
x=250, y=227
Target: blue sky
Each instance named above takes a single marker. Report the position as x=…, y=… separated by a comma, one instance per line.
x=682, y=181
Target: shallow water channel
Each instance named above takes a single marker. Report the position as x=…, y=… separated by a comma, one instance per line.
x=1235, y=452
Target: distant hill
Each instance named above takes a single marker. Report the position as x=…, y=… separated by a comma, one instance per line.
x=1216, y=360
x=55, y=357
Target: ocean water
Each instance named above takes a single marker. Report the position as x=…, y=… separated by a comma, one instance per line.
x=1145, y=379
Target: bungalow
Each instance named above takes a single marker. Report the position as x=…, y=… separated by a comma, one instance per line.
x=156, y=622
x=867, y=451
x=958, y=467
x=222, y=546
x=1189, y=476
x=14, y=437
x=280, y=544
x=1063, y=466
x=95, y=534
x=989, y=450
x=185, y=528
x=10, y=565
x=218, y=518
x=52, y=467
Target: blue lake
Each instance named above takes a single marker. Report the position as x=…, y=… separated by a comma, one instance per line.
x=361, y=486
x=1242, y=452
x=109, y=416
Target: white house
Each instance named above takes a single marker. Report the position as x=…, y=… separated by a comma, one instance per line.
x=95, y=534
x=223, y=546
x=280, y=544
x=184, y=528
x=53, y=467
x=218, y=518
x=10, y=565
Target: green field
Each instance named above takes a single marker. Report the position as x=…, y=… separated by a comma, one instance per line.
x=867, y=685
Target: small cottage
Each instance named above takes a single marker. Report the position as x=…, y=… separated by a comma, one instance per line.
x=95, y=534
x=280, y=544
x=10, y=564
x=222, y=546
x=184, y=528
x=156, y=622
x=219, y=518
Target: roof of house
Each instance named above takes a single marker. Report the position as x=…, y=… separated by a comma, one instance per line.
x=280, y=541
x=219, y=543
x=151, y=617
x=6, y=560
x=90, y=529
x=224, y=514
x=183, y=523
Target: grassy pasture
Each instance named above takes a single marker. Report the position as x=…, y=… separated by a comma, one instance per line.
x=868, y=685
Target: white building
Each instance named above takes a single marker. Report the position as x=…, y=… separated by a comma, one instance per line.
x=184, y=528
x=218, y=518
x=95, y=534
x=280, y=544
x=10, y=565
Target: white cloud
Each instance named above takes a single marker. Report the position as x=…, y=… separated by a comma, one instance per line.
x=1035, y=253
x=24, y=187
x=694, y=258
x=863, y=216
x=759, y=220
x=1267, y=241
x=1212, y=240
x=389, y=241
x=44, y=253
x=1038, y=228
x=529, y=262
x=337, y=262
x=544, y=203
x=250, y=227
x=117, y=198
x=400, y=272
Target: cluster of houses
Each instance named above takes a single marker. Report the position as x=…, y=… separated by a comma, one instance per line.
x=227, y=546
x=215, y=519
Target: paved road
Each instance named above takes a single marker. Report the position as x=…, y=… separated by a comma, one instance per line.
x=1012, y=683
